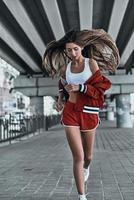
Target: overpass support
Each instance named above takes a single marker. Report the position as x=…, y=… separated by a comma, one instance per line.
x=122, y=85
x=123, y=111
x=110, y=111
x=37, y=105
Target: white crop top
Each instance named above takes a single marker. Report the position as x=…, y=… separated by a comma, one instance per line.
x=81, y=77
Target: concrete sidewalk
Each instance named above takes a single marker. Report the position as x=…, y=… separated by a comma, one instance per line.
x=40, y=168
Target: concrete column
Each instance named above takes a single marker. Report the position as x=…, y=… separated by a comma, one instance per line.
x=37, y=105
x=110, y=111
x=123, y=111
x=110, y=115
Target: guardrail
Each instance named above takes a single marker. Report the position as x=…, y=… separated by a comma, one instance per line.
x=10, y=130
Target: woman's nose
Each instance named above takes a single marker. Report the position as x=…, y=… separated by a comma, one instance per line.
x=73, y=53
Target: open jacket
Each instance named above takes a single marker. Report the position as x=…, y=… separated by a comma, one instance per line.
x=91, y=95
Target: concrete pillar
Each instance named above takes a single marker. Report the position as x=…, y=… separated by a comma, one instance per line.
x=110, y=115
x=37, y=105
x=123, y=111
x=110, y=110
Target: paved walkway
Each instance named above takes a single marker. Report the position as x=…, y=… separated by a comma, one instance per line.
x=40, y=168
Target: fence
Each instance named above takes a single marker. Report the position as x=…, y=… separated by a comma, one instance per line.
x=10, y=130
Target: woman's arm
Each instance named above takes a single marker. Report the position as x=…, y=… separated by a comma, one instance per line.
x=63, y=95
x=93, y=65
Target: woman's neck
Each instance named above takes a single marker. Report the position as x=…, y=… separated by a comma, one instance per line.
x=78, y=62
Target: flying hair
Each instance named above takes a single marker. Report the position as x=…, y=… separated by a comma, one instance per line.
x=96, y=43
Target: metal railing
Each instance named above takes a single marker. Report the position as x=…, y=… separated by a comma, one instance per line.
x=52, y=120
x=10, y=130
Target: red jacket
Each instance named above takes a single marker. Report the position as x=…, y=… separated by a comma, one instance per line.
x=92, y=93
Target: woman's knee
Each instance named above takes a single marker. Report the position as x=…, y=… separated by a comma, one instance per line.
x=78, y=158
x=89, y=157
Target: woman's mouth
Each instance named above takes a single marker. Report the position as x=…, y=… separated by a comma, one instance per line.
x=74, y=58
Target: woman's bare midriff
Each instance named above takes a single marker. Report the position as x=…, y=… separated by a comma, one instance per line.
x=73, y=97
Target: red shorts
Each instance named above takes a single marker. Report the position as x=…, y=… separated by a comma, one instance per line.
x=85, y=121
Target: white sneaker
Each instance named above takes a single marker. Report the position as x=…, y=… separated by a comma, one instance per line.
x=82, y=197
x=86, y=173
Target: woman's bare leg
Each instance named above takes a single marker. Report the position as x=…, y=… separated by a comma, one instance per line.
x=88, y=139
x=75, y=142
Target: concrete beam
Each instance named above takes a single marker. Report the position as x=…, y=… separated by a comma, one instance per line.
x=53, y=90
x=23, y=81
x=9, y=39
x=117, y=15
x=121, y=89
x=122, y=79
x=25, y=23
x=9, y=60
x=38, y=92
x=115, y=89
x=53, y=14
x=86, y=13
x=36, y=86
x=49, y=91
x=123, y=71
x=30, y=92
x=47, y=86
x=126, y=89
x=127, y=51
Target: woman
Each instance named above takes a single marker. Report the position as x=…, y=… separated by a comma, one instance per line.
x=78, y=57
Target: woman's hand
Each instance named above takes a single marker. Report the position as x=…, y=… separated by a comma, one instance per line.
x=59, y=105
x=72, y=88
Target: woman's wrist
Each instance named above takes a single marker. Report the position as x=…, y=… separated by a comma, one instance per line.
x=82, y=88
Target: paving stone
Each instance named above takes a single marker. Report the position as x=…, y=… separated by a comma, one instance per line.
x=40, y=167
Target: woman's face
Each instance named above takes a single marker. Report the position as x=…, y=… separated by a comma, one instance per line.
x=73, y=51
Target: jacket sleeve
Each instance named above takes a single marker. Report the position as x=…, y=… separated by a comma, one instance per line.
x=96, y=89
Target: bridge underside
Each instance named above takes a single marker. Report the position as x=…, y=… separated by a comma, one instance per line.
x=26, y=28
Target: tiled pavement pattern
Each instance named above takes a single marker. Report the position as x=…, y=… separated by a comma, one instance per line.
x=40, y=168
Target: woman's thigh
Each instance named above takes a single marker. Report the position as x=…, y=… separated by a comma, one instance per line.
x=75, y=142
x=88, y=139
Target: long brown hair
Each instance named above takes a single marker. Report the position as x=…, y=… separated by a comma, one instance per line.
x=97, y=44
